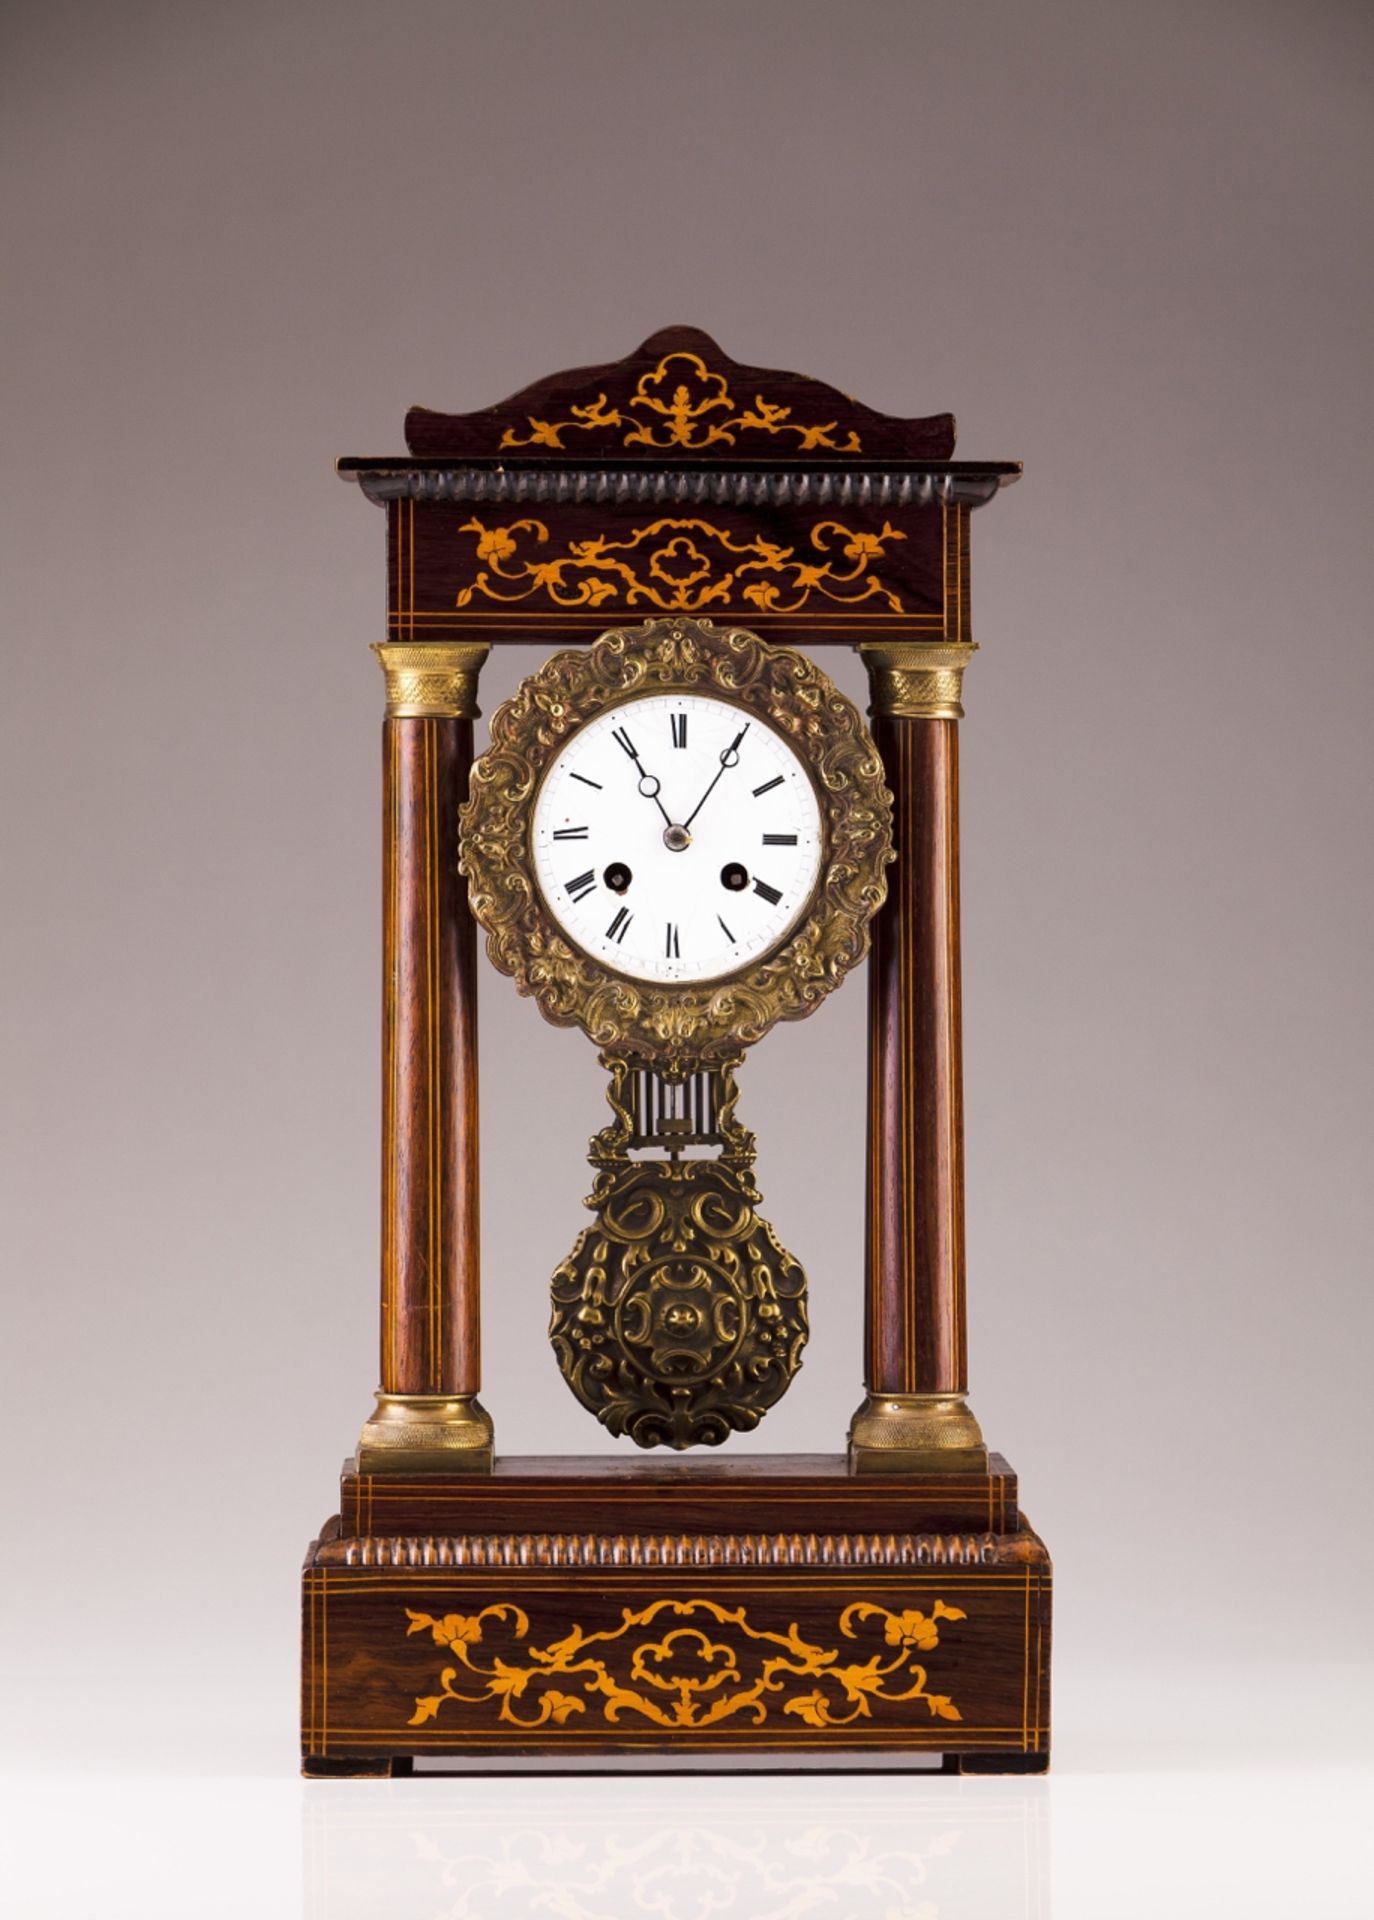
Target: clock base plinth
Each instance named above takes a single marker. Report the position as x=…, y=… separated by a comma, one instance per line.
x=597, y=1614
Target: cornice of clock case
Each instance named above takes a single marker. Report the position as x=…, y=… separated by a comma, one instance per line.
x=951, y=483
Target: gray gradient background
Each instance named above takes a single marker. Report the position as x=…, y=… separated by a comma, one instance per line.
x=1127, y=245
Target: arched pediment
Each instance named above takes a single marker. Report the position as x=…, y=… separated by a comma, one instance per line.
x=679, y=397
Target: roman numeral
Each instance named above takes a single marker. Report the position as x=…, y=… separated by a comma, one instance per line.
x=619, y=926
x=623, y=739
x=679, y=722
x=770, y=894
x=771, y=839
x=768, y=786
x=580, y=833
x=582, y=886
x=726, y=931
x=671, y=950
x=586, y=782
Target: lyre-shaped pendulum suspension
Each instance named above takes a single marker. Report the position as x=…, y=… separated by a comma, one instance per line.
x=679, y=1316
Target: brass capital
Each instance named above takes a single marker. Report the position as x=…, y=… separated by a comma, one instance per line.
x=427, y=1433
x=917, y=679
x=434, y=681
x=916, y=1433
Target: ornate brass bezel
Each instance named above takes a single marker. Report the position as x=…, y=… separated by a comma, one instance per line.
x=674, y=1024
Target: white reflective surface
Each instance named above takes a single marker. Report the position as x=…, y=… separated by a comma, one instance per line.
x=1078, y=1847
x=682, y=1850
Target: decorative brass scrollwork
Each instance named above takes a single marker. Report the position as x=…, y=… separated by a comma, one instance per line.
x=677, y=1025
x=679, y=1316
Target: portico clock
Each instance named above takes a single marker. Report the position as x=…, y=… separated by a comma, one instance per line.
x=680, y=834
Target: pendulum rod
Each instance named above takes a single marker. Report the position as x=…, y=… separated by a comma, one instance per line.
x=673, y=1114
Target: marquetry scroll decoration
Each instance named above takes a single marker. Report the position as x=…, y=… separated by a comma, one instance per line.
x=685, y=1664
x=680, y=399
x=662, y=1550
x=683, y=403
x=681, y=566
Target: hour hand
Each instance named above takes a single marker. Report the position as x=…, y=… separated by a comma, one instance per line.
x=648, y=782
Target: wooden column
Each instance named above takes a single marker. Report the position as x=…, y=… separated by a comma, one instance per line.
x=428, y=1417
x=914, y=1416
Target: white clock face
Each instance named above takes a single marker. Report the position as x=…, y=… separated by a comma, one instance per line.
x=676, y=837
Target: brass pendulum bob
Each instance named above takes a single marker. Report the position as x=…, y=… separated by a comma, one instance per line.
x=679, y=1316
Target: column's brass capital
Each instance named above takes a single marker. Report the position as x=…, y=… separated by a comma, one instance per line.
x=917, y=679
x=427, y=1433
x=431, y=681
x=916, y=1433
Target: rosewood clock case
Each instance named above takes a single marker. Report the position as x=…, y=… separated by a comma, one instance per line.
x=884, y=1601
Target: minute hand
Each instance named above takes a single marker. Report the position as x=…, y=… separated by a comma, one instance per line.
x=729, y=758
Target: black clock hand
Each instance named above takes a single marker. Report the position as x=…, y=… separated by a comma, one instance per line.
x=729, y=758
x=648, y=782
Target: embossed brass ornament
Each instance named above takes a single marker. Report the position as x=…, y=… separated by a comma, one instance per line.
x=689, y=1664
x=918, y=679
x=677, y=1025
x=431, y=680
x=679, y=1316
x=426, y=1432
x=680, y=403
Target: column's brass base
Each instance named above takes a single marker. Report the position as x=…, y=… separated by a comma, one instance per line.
x=916, y=1433
x=427, y=1433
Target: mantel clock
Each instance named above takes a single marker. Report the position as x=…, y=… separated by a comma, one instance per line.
x=680, y=834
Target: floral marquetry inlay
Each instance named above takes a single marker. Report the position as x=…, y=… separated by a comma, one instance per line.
x=680, y=398
x=681, y=566
x=683, y=403
x=685, y=1664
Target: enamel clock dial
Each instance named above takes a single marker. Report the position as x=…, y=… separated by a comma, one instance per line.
x=677, y=837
